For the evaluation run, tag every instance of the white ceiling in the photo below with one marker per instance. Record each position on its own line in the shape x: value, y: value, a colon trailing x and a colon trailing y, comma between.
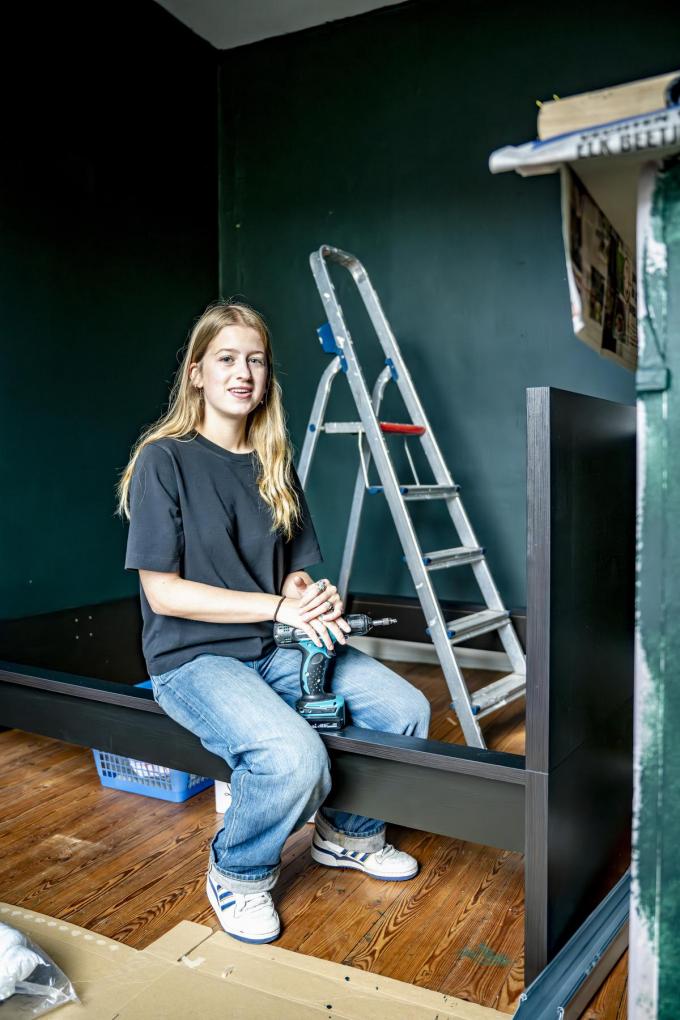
x: 229, y: 23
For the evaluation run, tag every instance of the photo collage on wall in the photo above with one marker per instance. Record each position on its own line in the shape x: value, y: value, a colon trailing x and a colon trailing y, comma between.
x: 601, y: 274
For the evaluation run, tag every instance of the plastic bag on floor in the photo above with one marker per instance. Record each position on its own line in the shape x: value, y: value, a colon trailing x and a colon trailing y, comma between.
x: 31, y: 984
x: 146, y: 771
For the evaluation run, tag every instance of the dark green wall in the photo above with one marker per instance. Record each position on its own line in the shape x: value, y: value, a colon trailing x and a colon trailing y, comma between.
x: 373, y: 134
x: 108, y: 206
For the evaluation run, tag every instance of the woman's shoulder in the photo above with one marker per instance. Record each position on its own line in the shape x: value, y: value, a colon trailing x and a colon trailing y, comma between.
x: 159, y: 449
x: 161, y: 456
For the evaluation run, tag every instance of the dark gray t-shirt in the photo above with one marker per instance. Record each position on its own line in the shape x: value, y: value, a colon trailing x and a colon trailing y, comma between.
x: 195, y: 509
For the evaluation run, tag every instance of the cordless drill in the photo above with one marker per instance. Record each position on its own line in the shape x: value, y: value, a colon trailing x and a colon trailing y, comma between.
x: 318, y: 705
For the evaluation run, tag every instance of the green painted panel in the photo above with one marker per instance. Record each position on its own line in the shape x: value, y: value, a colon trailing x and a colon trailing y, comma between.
x: 373, y: 134
x: 655, y: 916
x: 109, y: 219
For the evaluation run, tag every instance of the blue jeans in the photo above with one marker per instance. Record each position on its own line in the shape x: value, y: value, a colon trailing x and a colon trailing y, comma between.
x: 245, y: 713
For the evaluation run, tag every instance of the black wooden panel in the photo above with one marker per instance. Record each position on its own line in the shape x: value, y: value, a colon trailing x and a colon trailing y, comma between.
x: 592, y: 585
x: 475, y: 808
x: 102, y: 640
x: 536, y: 876
x: 538, y: 579
x: 580, y: 613
x: 471, y: 794
x: 143, y: 732
x: 589, y: 825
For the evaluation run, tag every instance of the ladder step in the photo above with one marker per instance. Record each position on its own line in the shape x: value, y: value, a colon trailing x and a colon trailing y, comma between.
x: 354, y: 427
x: 405, y: 430
x: 452, y: 557
x: 477, y: 623
x: 429, y: 491
x: 420, y: 491
x: 342, y: 427
x: 500, y: 692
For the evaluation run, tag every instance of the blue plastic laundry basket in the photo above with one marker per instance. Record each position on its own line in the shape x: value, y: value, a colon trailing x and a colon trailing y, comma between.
x: 120, y: 773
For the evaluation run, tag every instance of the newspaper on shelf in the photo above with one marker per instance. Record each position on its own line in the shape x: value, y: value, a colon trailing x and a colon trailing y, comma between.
x: 600, y: 265
x: 650, y: 136
x: 601, y: 276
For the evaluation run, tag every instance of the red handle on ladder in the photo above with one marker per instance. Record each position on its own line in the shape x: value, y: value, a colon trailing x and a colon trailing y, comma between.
x: 407, y: 430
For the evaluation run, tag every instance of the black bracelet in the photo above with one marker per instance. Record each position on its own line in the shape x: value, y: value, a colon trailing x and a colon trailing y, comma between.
x: 282, y: 599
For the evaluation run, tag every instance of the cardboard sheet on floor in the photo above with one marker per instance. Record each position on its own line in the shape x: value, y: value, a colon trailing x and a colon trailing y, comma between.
x: 194, y: 970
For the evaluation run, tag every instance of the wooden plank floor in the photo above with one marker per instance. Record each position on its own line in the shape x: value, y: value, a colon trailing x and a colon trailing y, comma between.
x: 131, y: 867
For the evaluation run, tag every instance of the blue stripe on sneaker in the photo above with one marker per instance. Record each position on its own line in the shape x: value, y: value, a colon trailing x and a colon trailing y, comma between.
x: 364, y: 856
x: 219, y: 896
x: 325, y: 850
x: 384, y: 878
x: 219, y: 890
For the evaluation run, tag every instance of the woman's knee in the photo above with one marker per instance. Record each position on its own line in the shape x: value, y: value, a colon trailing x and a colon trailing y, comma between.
x: 300, y: 757
x: 420, y: 712
x: 379, y: 698
x: 410, y: 716
x: 312, y: 759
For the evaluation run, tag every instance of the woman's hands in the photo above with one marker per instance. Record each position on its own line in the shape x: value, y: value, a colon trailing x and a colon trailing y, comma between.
x: 316, y: 610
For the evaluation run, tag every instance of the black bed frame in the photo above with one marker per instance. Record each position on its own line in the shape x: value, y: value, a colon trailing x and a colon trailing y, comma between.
x: 566, y: 805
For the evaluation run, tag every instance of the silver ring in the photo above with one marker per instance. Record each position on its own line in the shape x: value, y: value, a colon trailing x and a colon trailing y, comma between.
x: 330, y: 606
x: 321, y: 585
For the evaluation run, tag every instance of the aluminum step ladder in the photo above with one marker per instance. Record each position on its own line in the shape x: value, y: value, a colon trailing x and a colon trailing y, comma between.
x: 445, y: 634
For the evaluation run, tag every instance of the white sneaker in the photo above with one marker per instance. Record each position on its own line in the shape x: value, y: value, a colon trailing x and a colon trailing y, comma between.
x: 249, y: 917
x: 388, y: 863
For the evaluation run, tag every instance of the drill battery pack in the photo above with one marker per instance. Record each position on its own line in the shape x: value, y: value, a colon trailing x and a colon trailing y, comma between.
x: 325, y: 713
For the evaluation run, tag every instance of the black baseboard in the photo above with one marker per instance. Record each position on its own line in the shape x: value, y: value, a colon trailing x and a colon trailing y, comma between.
x: 104, y: 640
x: 411, y: 623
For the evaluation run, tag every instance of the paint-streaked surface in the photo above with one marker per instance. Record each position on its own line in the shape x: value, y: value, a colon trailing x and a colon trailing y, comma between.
x: 655, y: 910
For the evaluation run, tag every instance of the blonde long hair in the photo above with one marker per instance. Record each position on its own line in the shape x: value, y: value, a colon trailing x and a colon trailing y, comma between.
x: 265, y: 429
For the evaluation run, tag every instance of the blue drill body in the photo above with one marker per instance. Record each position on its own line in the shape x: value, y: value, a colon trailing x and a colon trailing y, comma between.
x: 318, y: 705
